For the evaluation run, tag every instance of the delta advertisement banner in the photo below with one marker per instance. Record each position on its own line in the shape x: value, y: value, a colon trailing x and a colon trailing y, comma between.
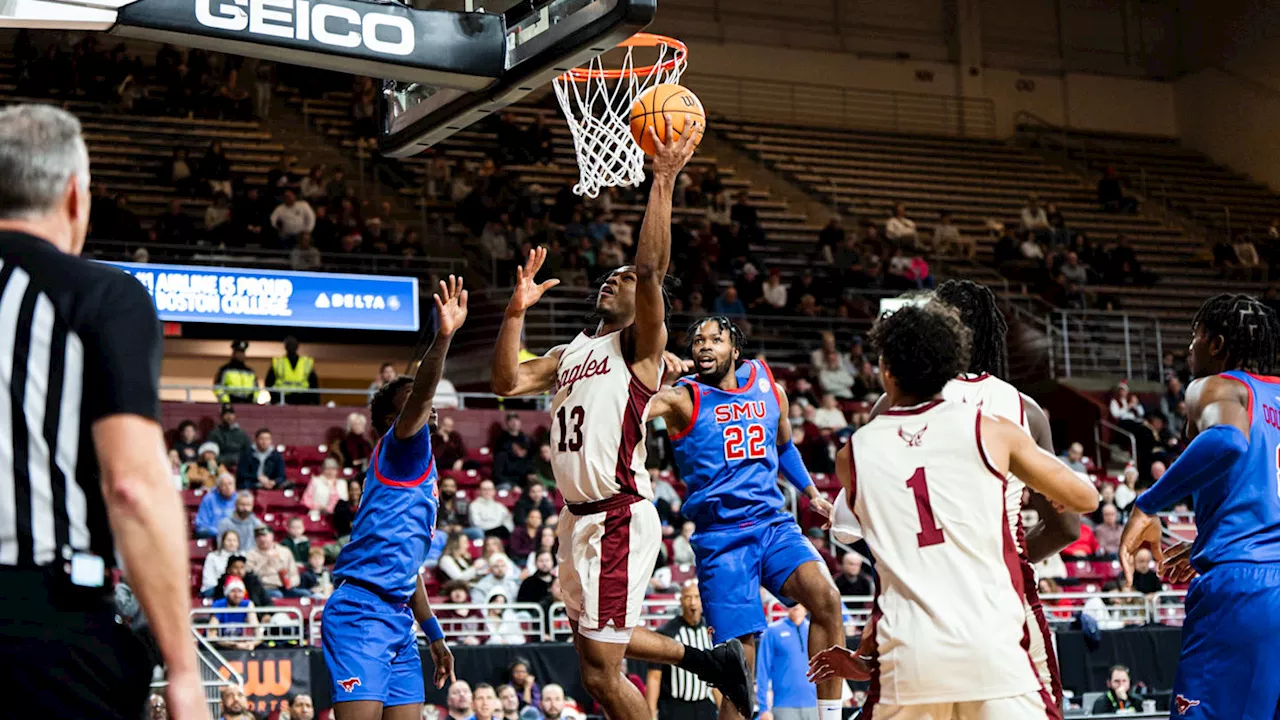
x: 241, y: 296
x: 270, y: 675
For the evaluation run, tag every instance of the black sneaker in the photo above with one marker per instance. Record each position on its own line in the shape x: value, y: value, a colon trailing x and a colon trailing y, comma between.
x: 732, y: 678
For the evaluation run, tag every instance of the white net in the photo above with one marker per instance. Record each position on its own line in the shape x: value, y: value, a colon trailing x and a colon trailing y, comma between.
x: 597, y: 103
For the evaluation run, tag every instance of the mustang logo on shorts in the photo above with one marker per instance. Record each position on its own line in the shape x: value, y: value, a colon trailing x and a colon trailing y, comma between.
x: 1184, y: 704
x: 350, y: 683
x: 912, y: 439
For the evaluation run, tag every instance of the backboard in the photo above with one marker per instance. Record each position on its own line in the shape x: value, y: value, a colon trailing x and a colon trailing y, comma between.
x: 442, y: 69
x: 541, y: 39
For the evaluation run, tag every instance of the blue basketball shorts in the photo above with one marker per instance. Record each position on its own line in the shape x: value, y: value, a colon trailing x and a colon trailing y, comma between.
x: 370, y: 649
x: 734, y: 562
x: 1230, y: 663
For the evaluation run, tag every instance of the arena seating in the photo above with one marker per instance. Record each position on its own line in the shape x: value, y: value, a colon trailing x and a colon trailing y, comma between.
x: 978, y: 181
x: 1189, y: 181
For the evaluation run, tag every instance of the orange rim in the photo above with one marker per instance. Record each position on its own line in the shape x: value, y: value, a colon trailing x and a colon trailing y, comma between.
x: 638, y: 40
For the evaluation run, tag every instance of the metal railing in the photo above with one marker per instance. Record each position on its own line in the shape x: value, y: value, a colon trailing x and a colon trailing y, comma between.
x: 832, y: 106
x: 1110, y: 610
x: 209, y: 393
x: 1098, y: 443
x: 210, y: 255
x: 249, y: 626
x: 519, y: 623
x: 1102, y: 343
x: 215, y: 673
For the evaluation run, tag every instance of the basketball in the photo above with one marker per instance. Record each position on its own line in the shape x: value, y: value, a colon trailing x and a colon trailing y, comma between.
x: 674, y: 100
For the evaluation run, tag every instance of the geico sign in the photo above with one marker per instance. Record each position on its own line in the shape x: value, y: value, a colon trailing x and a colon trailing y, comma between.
x: 334, y: 25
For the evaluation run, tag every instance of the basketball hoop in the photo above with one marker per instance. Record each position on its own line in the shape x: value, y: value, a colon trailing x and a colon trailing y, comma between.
x: 597, y: 103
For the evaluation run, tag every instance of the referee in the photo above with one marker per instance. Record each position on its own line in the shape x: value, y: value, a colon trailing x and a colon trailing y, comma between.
x: 674, y: 693
x: 84, y: 481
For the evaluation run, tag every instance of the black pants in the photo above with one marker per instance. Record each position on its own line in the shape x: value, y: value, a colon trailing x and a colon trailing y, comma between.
x: 672, y: 709
x: 63, y: 649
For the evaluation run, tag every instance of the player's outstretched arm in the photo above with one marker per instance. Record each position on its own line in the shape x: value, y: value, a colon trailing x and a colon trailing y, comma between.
x: 1218, y: 421
x: 1056, y: 529
x: 791, y: 465
x: 441, y: 656
x: 451, y: 304
x: 653, y: 253
x: 1040, y: 470
x: 509, y: 376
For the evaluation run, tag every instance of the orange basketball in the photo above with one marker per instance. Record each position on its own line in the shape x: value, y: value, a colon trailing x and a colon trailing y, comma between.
x: 649, y: 109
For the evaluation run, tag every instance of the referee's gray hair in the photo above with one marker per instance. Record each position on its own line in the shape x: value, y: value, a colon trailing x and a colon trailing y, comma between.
x: 41, y: 149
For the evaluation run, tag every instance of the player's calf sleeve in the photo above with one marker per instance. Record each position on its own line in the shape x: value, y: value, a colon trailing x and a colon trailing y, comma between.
x: 828, y: 709
x: 791, y: 465
x: 1210, y: 454
x: 698, y: 662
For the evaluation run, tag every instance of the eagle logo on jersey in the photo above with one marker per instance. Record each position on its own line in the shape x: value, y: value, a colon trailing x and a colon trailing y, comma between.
x: 1184, y: 704
x: 349, y: 684
x: 912, y: 439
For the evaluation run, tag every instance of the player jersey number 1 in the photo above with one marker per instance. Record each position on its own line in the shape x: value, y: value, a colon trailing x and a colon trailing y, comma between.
x: 741, y: 443
x: 570, y: 430
x: 930, y: 533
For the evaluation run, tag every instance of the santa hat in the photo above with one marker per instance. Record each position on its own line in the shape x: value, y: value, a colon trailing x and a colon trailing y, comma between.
x: 233, y: 583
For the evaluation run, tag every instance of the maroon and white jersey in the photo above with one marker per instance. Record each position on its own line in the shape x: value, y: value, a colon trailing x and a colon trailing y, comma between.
x: 995, y: 397
x: 598, y: 422
x: 950, y: 619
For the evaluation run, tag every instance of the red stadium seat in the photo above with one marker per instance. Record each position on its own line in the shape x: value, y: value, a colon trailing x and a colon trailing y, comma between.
x: 682, y: 573
x: 191, y: 498
x: 270, y: 500
x: 198, y: 549
x: 481, y: 456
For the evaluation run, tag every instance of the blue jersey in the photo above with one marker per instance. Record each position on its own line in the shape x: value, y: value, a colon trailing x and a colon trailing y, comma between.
x: 728, y: 455
x: 1238, y: 517
x: 393, y: 528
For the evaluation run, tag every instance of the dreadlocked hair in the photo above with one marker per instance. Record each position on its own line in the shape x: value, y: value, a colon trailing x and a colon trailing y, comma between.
x: 736, y: 338
x: 383, y: 403
x: 669, y: 284
x: 1249, y: 329
x: 924, y: 346
x: 980, y: 313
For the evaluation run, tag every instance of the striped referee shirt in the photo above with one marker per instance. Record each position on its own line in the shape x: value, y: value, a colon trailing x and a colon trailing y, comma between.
x: 79, y: 341
x: 678, y: 683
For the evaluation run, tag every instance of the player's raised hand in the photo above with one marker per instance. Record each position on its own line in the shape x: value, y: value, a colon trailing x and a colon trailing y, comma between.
x: 442, y: 659
x: 1176, y: 567
x: 451, y: 305
x: 528, y: 291
x: 838, y: 662
x: 1141, y: 529
x: 674, y: 367
x: 672, y: 154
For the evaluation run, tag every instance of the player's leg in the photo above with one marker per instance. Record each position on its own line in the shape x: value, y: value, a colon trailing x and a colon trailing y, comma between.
x: 360, y: 632
x: 1229, y: 667
x: 729, y: 709
x: 793, y: 570
x: 598, y: 662
x: 725, y: 666
x: 405, y: 691
x: 729, y: 572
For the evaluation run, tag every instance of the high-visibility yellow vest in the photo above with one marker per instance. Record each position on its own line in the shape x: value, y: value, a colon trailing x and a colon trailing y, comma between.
x: 293, y: 377
x: 237, y: 379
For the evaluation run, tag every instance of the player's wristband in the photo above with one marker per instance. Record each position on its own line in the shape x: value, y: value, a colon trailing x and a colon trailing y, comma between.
x: 792, y: 466
x: 432, y: 628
